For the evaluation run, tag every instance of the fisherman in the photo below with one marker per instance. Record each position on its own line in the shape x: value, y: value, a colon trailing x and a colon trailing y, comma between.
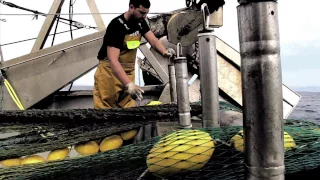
x: 114, y: 84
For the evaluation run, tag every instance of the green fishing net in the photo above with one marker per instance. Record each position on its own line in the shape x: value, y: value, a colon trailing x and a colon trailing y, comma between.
x: 203, y: 153
x: 189, y: 154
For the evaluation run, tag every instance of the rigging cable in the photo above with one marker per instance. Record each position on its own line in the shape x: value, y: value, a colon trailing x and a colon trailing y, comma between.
x: 37, y: 13
x: 35, y: 38
x: 76, y: 24
x: 70, y: 18
x: 55, y: 31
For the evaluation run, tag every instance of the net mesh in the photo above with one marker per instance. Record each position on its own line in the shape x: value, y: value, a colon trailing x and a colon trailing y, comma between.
x: 204, y: 153
x: 195, y: 154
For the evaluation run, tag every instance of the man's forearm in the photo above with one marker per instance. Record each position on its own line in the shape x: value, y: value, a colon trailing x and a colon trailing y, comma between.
x: 159, y: 46
x: 119, y: 72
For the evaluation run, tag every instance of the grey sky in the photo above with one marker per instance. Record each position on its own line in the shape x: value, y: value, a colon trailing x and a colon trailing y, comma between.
x: 299, y: 32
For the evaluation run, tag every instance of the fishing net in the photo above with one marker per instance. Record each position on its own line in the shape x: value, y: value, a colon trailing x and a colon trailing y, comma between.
x: 203, y: 153
x: 196, y: 154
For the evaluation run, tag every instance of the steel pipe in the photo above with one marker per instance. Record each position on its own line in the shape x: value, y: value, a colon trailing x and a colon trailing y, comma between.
x: 208, y: 73
x: 261, y: 89
x: 172, y: 82
x: 181, y: 73
x: 1, y: 55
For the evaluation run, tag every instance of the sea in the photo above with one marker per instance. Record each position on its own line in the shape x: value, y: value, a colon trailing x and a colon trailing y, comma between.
x: 308, y: 107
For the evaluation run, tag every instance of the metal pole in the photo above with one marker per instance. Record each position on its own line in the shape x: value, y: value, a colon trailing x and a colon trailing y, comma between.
x: 181, y: 71
x: 261, y: 89
x: 208, y: 73
x: 172, y: 82
x: 1, y: 55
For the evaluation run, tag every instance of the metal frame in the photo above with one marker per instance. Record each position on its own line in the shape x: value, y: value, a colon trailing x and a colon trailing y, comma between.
x: 96, y: 16
x: 154, y: 63
x: 47, y: 25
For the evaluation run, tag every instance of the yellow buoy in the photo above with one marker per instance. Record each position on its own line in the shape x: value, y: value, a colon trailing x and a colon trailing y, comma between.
x: 180, y: 151
x: 129, y: 134
x: 32, y: 159
x: 110, y: 143
x: 153, y: 103
x: 58, y: 154
x: 11, y: 162
x: 317, y: 130
x: 237, y: 141
x: 289, y: 142
x: 88, y: 148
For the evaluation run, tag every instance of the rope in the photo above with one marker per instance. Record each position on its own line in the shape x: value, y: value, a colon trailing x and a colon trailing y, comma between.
x: 1, y: 90
x: 12, y: 93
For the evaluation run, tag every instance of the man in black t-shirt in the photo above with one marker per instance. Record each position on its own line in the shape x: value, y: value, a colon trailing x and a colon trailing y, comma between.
x: 114, y: 78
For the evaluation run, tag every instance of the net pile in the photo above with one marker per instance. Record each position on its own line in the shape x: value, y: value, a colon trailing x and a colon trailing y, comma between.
x: 201, y: 154
x: 213, y: 153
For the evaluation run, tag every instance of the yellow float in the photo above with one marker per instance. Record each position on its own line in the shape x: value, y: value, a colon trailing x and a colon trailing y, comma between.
x: 154, y: 103
x: 129, y: 134
x: 11, y: 162
x: 110, y: 143
x: 88, y: 148
x: 58, y: 154
x: 32, y: 159
x: 180, y: 151
x: 237, y: 141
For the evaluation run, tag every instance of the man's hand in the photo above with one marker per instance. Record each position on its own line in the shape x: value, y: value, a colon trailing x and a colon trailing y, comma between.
x: 169, y: 53
x: 135, y: 91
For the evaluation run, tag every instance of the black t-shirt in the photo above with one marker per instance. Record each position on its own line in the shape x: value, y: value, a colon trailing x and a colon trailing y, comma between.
x: 116, y: 31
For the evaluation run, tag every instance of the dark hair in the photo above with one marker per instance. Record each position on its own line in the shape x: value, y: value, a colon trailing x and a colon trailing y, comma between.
x: 137, y: 3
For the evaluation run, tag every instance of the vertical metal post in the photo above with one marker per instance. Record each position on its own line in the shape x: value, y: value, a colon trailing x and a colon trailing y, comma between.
x: 172, y: 82
x: 1, y: 56
x: 261, y: 89
x: 208, y: 73
x: 181, y: 72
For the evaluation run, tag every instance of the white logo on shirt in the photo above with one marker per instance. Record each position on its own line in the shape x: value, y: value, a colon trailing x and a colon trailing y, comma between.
x: 134, y: 34
x: 125, y: 25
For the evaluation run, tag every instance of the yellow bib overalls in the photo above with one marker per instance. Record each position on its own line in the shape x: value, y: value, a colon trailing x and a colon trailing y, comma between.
x: 108, y: 91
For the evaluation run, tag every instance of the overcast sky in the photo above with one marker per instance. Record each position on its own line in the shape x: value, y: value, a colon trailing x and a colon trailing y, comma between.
x: 299, y: 32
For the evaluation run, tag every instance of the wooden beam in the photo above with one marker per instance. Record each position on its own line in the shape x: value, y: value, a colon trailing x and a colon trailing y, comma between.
x: 95, y: 13
x: 47, y: 25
